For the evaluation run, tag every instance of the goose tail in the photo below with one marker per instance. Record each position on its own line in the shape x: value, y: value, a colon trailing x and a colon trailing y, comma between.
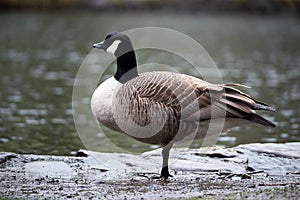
x: 260, y: 120
x: 245, y: 106
x: 263, y: 106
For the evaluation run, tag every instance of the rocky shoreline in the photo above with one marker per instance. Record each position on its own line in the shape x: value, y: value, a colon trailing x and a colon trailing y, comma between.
x: 251, y: 171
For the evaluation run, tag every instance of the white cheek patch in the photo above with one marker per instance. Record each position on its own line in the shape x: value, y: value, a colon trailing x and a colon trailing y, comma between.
x: 113, y: 47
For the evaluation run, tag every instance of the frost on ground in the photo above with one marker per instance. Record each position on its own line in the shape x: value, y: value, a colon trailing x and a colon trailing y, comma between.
x: 246, y: 171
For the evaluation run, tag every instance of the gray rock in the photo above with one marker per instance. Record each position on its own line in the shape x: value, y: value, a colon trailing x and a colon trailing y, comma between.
x: 197, y: 173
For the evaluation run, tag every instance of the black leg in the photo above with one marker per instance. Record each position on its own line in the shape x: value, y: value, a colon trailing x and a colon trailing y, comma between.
x: 165, y: 173
x: 165, y: 169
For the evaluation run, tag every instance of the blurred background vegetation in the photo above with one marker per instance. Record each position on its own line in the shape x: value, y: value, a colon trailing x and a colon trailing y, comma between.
x: 252, y: 6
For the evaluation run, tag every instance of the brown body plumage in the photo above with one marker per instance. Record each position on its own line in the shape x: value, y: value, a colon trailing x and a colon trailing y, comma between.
x: 180, y: 105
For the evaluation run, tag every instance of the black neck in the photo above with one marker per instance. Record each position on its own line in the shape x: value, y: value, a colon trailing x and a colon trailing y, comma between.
x: 127, y: 67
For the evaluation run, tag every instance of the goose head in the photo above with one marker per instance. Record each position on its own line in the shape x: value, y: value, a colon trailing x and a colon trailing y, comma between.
x: 119, y: 45
x: 115, y: 43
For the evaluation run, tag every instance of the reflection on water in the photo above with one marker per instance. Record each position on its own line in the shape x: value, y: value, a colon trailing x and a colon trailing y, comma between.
x: 41, y: 53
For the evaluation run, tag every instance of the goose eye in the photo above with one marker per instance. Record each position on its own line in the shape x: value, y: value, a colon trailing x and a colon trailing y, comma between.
x: 111, y: 34
x: 108, y: 36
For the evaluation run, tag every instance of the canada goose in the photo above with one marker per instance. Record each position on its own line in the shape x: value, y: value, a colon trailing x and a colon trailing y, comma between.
x: 165, y: 107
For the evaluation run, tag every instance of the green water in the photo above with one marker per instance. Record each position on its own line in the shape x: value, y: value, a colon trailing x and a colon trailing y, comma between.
x: 40, y: 54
